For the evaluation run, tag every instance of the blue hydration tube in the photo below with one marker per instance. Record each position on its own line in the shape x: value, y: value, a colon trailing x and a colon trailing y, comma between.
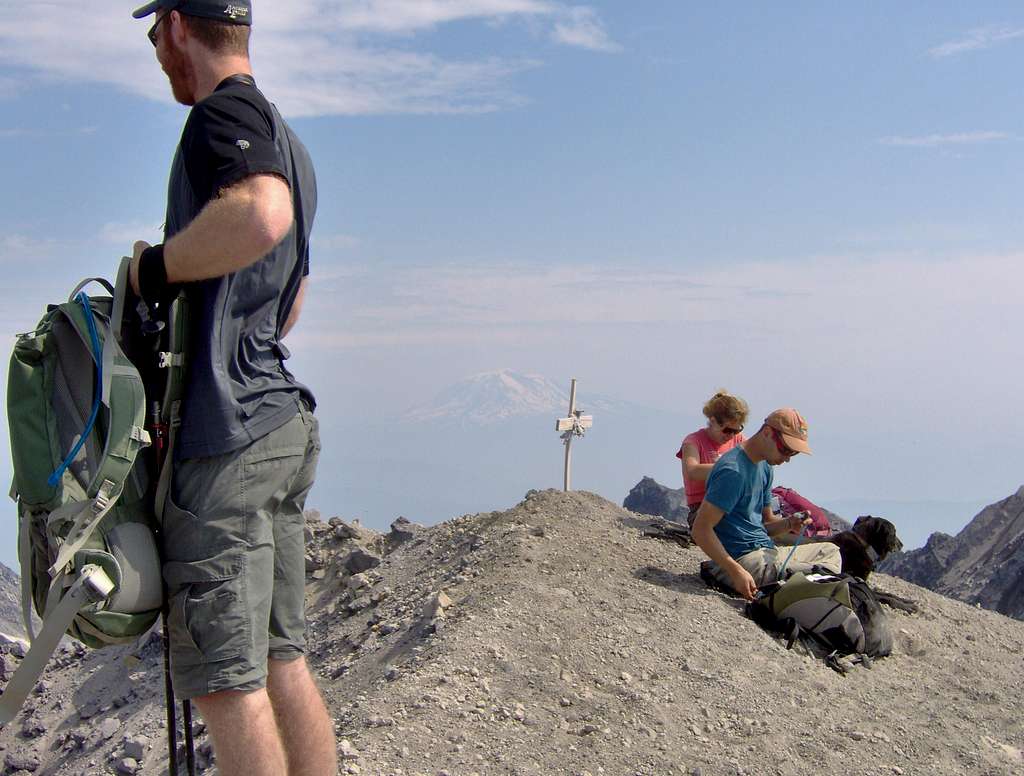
x: 786, y: 561
x: 97, y: 354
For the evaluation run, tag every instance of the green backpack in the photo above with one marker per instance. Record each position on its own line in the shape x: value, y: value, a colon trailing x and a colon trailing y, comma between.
x: 77, y: 410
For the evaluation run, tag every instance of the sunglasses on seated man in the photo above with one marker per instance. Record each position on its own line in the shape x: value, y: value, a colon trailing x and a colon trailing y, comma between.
x: 781, y: 446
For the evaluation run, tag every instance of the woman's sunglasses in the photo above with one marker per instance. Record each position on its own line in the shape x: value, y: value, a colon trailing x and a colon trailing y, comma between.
x: 729, y: 430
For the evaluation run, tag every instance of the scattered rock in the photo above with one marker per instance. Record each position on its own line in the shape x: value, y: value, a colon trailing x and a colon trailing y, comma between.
x: 32, y: 728
x: 109, y: 727
x: 357, y: 582
x: 314, y: 561
x: 135, y: 747
x: 28, y: 761
x: 360, y: 560
x: 435, y: 606
x: 402, y: 530
x: 359, y: 603
x: 346, y: 751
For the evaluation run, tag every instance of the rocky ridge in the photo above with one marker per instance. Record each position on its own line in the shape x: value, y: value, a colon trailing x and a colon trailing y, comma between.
x: 983, y: 564
x: 553, y: 639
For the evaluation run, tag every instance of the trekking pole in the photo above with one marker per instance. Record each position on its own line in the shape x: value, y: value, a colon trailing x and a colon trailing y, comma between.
x: 159, y: 448
x: 190, y: 748
x: 172, y: 722
x: 157, y: 433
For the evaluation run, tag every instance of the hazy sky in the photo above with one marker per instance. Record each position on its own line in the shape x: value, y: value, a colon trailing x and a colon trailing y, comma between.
x: 810, y: 204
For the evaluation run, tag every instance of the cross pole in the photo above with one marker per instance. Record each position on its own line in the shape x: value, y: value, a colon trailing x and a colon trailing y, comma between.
x: 575, y: 425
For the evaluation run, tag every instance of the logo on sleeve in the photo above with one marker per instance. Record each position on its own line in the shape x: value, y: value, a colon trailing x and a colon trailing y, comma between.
x: 243, y: 144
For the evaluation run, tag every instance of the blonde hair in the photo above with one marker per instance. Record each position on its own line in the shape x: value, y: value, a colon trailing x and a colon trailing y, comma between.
x: 724, y: 406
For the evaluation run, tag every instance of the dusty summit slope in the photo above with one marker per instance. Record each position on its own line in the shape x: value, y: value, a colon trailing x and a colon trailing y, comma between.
x: 564, y: 643
x: 574, y: 645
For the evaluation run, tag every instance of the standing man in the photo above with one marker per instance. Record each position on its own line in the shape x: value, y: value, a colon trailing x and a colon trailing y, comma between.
x: 240, y: 206
x: 735, y: 523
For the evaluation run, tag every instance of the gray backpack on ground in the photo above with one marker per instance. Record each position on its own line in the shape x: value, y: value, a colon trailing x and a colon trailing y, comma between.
x: 833, y: 614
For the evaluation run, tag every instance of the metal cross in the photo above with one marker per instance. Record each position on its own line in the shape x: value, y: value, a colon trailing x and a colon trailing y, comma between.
x: 575, y: 425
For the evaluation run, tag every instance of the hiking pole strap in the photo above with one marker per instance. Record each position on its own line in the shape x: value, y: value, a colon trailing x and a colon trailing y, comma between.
x: 166, y: 469
x: 25, y: 558
x: 91, y: 586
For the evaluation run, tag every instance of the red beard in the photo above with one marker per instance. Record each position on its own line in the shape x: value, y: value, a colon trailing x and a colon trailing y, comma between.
x: 179, y: 73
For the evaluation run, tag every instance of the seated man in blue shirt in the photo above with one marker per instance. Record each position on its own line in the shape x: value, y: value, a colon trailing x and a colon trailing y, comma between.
x: 735, y: 523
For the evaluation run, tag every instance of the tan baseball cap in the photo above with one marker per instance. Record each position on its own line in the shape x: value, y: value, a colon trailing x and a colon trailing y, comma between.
x: 793, y: 428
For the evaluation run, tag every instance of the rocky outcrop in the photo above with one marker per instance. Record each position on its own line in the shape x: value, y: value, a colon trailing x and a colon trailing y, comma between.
x: 649, y: 497
x: 983, y: 564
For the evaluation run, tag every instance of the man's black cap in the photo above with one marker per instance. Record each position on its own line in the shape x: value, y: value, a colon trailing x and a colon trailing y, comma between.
x: 229, y: 11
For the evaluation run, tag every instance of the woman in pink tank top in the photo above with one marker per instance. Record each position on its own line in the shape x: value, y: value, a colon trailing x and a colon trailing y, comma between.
x: 726, y: 414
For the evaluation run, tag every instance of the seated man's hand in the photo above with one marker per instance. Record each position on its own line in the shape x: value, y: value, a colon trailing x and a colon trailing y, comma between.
x: 742, y: 582
x: 797, y: 521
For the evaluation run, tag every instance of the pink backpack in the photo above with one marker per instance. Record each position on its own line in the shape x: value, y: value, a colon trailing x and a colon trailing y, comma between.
x: 790, y: 501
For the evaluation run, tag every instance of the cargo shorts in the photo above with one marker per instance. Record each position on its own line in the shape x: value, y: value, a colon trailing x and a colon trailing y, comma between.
x: 764, y: 564
x: 233, y: 548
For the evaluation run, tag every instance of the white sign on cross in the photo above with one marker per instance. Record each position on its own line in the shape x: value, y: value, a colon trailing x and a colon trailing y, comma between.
x: 573, y: 426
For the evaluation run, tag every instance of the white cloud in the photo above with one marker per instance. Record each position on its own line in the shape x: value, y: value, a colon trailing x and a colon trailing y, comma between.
x: 582, y: 27
x: 406, y: 16
x: 977, y: 40
x: 830, y: 304
x: 937, y: 140
x: 315, y: 58
x: 315, y: 78
x: 15, y: 248
x: 13, y: 132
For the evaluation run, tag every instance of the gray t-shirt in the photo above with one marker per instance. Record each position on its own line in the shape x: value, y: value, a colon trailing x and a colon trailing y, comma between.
x: 237, y: 387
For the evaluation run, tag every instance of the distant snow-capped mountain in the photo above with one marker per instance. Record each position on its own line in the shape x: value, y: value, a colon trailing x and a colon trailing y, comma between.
x: 493, y: 397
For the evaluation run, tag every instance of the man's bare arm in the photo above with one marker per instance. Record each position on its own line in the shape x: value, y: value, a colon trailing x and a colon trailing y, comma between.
x: 236, y: 229
x: 693, y: 469
x: 708, y: 516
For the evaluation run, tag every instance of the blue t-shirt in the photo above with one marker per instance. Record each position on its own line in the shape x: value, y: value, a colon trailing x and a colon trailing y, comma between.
x: 741, y: 489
